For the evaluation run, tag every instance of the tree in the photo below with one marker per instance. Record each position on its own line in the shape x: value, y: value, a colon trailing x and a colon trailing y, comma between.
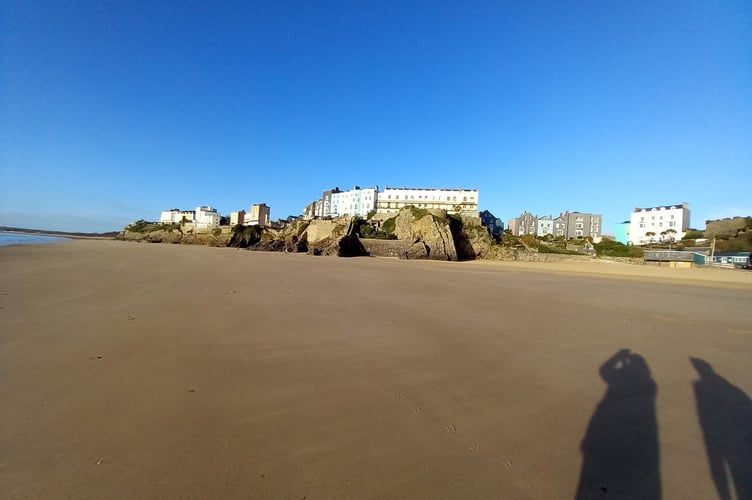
x: 650, y: 235
x: 671, y: 233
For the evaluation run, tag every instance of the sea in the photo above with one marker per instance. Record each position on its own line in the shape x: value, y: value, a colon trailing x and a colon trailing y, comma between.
x: 28, y: 239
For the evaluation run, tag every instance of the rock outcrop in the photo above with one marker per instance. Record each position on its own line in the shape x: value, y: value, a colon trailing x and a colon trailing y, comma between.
x: 430, y: 229
x: 419, y: 233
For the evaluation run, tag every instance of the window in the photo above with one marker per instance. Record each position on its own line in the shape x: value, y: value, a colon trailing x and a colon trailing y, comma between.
x: 464, y: 198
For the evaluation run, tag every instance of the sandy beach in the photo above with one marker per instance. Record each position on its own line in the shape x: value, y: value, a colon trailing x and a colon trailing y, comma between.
x: 165, y: 371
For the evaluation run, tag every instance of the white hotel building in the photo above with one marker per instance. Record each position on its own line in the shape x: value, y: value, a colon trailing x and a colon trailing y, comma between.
x: 658, y: 220
x: 462, y: 201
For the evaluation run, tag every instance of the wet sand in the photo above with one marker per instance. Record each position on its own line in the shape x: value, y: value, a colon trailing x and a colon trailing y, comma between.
x: 159, y: 371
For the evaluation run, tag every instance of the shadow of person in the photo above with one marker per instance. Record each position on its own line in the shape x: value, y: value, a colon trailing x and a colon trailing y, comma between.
x: 620, y: 449
x: 725, y: 414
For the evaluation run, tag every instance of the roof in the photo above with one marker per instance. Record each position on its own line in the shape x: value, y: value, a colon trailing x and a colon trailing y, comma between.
x: 669, y: 255
x: 665, y: 207
x: 732, y: 254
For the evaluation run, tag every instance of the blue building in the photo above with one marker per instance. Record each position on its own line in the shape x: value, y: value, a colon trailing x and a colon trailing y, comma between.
x: 493, y: 223
x: 725, y: 259
x: 621, y: 231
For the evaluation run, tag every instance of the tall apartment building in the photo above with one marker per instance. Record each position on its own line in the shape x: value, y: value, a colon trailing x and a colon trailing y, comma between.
x: 462, y: 201
x: 237, y: 218
x: 656, y: 220
x: 258, y: 216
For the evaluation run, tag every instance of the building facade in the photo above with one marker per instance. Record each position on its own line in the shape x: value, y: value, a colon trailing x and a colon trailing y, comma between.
x: 568, y: 225
x: 621, y: 232
x: 526, y: 223
x: 355, y: 202
x: 545, y: 226
x: 491, y: 222
x: 176, y: 216
x: 206, y: 217
x: 237, y: 218
x: 259, y: 215
x: 460, y: 201
x: 662, y: 223
x: 581, y: 225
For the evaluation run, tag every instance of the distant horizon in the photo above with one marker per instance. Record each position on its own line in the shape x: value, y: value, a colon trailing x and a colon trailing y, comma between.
x: 114, y: 112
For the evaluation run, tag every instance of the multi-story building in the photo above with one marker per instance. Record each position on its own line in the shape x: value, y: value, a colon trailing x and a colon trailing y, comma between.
x: 491, y: 222
x: 560, y: 226
x: 567, y: 225
x: 582, y: 225
x: 309, y: 212
x: 176, y: 216
x: 258, y: 216
x: 658, y: 223
x: 545, y: 226
x: 237, y: 218
x: 324, y: 204
x: 621, y: 231
x: 526, y: 223
x: 206, y: 217
x: 461, y: 201
x: 355, y: 202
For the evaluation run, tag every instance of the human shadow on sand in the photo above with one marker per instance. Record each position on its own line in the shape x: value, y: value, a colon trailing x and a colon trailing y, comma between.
x: 725, y: 414
x: 620, y: 449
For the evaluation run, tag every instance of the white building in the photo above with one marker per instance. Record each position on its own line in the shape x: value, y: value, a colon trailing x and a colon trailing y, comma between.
x: 462, y: 201
x: 258, y: 216
x: 668, y: 222
x: 206, y: 217
x: 355, y: 202
x: 176, y: 216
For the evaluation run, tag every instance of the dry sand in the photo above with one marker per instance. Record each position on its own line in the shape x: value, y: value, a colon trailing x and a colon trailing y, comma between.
x: 156, y: 371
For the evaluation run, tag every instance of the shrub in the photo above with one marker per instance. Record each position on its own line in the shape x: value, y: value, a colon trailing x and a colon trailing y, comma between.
x: 389, y: 225
x: 611, y: 248
x: 559, y: 250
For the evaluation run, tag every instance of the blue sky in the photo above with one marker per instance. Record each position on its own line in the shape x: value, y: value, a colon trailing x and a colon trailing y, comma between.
x: 113, y: 111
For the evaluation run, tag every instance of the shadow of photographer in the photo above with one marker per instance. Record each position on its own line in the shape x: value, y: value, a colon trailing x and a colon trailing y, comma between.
x: 620, y: 448
x: 725, y: 414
